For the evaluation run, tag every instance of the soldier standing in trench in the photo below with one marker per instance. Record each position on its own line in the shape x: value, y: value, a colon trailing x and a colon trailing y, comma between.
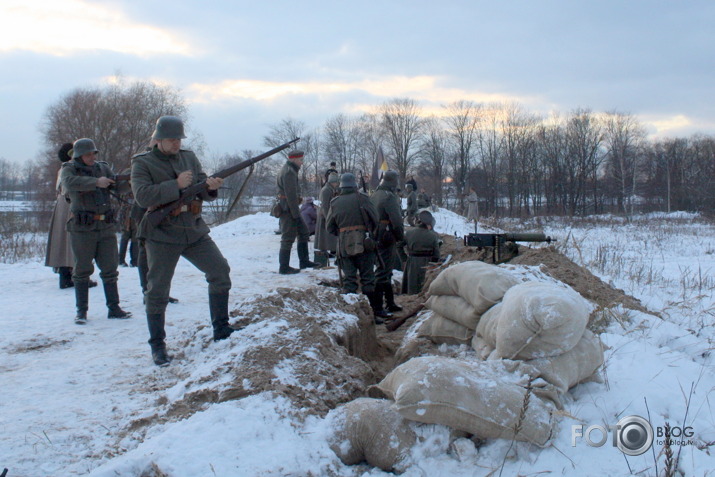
x: 353, y: 218
x: 390, y: 231
x: 158, y: 177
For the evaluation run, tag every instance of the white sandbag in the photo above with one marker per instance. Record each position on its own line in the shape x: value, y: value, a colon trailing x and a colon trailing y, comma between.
x: 538, y: 320
x: 574, y: 366
x: 480, y: 284
x: 370, y: 430
x: 441, y: 330
x: 486, y: 333
x: 454, y: 308
x: 483, y: 398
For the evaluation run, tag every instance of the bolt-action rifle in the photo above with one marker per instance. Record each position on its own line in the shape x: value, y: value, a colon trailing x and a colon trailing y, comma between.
x: 187, y: 195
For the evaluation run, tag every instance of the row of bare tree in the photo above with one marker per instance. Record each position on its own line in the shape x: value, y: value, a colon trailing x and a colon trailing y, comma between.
x: 519, y: 163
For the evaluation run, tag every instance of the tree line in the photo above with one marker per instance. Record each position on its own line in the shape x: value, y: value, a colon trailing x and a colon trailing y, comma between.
x: 519, y: 163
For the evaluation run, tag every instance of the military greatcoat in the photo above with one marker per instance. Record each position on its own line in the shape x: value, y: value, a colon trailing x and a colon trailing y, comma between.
x: 422, y: 246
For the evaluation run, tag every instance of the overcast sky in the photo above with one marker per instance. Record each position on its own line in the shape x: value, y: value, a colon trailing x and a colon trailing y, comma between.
x: 245, y: 65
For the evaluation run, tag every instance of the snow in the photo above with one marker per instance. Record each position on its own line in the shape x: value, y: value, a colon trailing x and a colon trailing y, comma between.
x: 73, y: 398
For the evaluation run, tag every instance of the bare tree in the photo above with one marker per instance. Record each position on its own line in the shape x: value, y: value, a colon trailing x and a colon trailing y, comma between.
x: 462, y: 123
x: 402, y: 124
x: 624, y: 139
x: 434, y: 149
x: 120, y: 118
x: 286, y: 130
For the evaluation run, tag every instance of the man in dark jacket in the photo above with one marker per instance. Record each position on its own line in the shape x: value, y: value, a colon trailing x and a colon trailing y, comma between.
x: 158, y: 177
x: 353, y: 218
x: 91, y: 226
x: 390, y: 231
x: 422, y: 246
x: 291, y: 223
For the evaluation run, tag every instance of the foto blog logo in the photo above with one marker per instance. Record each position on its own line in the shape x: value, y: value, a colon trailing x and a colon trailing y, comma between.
x: 633, y: 435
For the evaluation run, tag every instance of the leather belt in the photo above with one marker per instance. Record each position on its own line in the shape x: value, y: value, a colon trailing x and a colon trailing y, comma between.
x: 384, y: 221
x: 352, y: 227
x: 420, y: 254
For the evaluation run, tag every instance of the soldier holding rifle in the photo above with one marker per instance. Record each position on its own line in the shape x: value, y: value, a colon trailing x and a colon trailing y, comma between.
x: 91, y: 226
x: 158, y: 178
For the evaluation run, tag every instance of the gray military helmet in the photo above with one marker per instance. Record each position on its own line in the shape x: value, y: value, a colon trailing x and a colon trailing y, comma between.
x: 425, y: 217
x: 333, y: 178
x: 347, y: 180
x: 409, y: 187
x: 389, y: 178
x: 82, y: 147
x: 169, y: 127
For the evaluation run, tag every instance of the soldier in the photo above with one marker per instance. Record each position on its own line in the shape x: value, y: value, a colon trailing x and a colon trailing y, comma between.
x: 91, y: 226
x: 353, y: 218
x: 422, y: 246
x: 158, y: 176
x: 129, y: 233
x: 390, y: 231
x: 291, y: 222
x: 411, y: 204
x: 325, y: 241
x: 473, y: 207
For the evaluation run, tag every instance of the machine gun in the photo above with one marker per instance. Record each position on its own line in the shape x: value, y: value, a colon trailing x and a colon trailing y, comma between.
x: 155, y: 216
x: 503, y: 242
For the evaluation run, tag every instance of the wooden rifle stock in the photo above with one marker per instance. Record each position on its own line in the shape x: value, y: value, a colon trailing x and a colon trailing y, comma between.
x: 187, y: 195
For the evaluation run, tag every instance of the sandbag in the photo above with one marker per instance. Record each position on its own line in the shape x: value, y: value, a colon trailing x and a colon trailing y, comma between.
x: 538, y: 320
x: 370, y: 430
x: 454, y: 308
x: 480, y: 284
x: 483, y: 398
x: 485, y: 337
x: 441, y: 330
x: 574, y: 366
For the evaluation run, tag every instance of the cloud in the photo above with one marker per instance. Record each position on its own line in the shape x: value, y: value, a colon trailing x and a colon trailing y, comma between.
x: 420, y: 88
x: 65, y: 27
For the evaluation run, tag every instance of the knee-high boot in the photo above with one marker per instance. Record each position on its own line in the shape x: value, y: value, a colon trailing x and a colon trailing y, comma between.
x: 218, y: 306
x: 284, y: 261
x: 390, y: 297
x: 65, y: 274
x: 81, y: 293
x: 305, y: 261
x: 111, y: 293
x: 155, y: 321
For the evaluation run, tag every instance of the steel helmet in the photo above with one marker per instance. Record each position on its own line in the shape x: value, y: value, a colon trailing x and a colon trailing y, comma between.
x: 389, y: 178
x: 347, y: 180
x: 169, y: 127
x: 82, y: 147
x: 425, y: 217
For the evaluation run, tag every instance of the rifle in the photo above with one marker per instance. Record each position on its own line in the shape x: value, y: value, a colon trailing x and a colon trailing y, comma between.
x: 362, y: 183
x: 187, y: 195
x: 499, y: 241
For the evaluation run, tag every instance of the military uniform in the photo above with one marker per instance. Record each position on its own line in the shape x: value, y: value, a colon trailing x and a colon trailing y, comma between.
x: 291, y: 223
x: 91, y: 227
x: 182, y: 235
x: 422, y: 246
x: 411, y: 205
x: 352, y: 216
x: 390, y: 231
x: 323, y: 240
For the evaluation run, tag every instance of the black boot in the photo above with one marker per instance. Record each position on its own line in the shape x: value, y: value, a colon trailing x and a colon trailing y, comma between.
x: 65, y: 277
x: 283, y: 262
x: 218, y: 306
x: 380, y: 314
x: 389, y: 297
x: 304, y: 257
x: 81, y: 293
x: 112, y: 295
x: 155, y: 321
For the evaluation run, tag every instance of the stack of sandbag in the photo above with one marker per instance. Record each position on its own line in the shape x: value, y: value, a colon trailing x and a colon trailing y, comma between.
x: 458, y: 298
x: 489, y: 399
x: 543, y: 324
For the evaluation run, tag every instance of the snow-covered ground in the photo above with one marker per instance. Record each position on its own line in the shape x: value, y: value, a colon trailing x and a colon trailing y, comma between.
x: 71, y: 395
